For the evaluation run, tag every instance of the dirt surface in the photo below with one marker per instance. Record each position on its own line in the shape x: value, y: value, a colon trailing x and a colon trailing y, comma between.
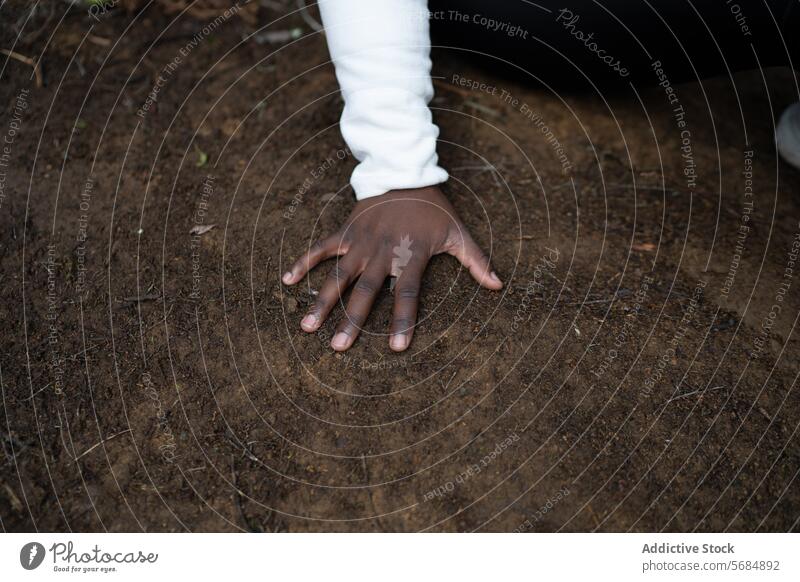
x: 632, y: 375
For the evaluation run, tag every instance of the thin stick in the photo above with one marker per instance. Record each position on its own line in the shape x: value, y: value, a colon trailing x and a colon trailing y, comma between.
x: 453, y: 88
x: 37, y: 69
x: 98, y: 40
x: 679, y: 396
x: 40, y: 390
x: 143, y: 298
x: 310, y: 20
x: 94, y: 446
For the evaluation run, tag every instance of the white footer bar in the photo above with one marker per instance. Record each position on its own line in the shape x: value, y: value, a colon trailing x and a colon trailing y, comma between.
x: 401, y: 557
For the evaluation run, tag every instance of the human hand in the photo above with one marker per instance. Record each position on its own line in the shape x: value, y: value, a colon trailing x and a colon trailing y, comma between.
x: 394, y: 234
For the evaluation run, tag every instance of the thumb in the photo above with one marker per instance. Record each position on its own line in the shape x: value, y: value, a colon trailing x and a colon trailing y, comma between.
x: 475, y: 260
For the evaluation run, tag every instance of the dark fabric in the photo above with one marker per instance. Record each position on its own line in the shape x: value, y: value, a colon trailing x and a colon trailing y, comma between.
x: 617, y: 41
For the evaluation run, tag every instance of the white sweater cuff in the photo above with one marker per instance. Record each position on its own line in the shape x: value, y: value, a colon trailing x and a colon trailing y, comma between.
x: 381, y: 51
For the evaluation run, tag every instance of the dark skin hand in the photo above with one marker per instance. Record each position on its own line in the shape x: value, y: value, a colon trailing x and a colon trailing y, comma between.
x: 394, y: 234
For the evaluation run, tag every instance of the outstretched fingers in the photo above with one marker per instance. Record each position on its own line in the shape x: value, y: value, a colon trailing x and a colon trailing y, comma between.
x: 475, y: 260
x: 321, y: 250
x: 363, y: 296
x: 343, y: 273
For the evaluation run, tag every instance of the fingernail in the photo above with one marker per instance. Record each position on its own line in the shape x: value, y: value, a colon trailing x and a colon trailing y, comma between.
x: 493, y: 276
x: 309, y: 321
x: 340, y: 341
x: 399, y: 342
x: 287, y: 277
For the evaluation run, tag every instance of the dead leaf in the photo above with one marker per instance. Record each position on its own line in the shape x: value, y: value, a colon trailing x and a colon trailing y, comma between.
x: 199, y: 229
x: 647, y: 247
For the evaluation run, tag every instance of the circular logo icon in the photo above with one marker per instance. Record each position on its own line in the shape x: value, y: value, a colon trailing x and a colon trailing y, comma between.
x: 31, y: 555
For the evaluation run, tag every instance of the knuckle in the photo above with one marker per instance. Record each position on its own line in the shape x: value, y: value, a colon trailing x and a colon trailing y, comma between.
x: 407, y: 292
x: 365, y: 286
x: 402, y: 322
x: 340, y: 273
x: 351, y: 323
x: 346, y: 326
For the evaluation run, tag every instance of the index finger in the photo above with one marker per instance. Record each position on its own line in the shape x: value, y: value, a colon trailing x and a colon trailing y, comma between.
x: 321, y: 250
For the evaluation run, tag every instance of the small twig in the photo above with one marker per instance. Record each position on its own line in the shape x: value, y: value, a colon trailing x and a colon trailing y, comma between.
x: 693, y: 392
x: 594, y: 301
x: 94, y: 446
x: 151, y: 297
x: 484, y: 168
x: 594, y: 516
x: 496, y: 179
x: 39, y: 391
x: 453, y: 88
x: 446, y: 386
x: 37, y: 69
x: 98, y: 40
x: 74, y: 357
x: 480, y: 107
x: 15, y: 502
x: 309, y: 20
x: 238, y: 498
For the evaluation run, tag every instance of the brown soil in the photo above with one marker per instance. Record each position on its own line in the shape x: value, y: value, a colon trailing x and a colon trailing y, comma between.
x: 617, y: 383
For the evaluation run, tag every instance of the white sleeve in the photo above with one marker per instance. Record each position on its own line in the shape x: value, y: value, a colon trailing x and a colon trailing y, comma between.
x: 381, y: 51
